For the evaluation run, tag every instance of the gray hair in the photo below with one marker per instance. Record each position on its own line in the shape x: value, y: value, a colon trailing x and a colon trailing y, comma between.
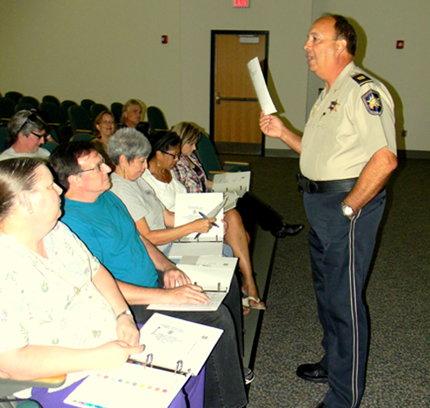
x: 25, y: 121
x: 130, y: 143
x: 16, y: 175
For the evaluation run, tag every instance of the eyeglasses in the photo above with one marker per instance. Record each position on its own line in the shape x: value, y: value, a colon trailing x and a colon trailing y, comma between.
x: 31, y: 118
x: 39, y: 136
x: 176, y: 156
x: 98, y: 167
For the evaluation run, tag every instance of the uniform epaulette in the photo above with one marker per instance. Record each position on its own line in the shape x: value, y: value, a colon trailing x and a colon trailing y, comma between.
x: 361, y: 79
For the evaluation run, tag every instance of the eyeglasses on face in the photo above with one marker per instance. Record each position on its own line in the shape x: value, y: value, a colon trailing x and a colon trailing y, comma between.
x: 175, y: 156
x: 98, y: 167
x: 39, y: 136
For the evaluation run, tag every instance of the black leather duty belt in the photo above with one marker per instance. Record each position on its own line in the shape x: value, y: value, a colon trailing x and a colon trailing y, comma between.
x: 333, y: 186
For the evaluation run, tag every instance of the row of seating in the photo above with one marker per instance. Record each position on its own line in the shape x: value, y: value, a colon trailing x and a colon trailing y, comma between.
x: 67, y: 118
x: 71, y: 121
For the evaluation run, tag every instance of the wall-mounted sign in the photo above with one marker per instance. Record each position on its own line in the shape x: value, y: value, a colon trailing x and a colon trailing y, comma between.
x: 241, y: 3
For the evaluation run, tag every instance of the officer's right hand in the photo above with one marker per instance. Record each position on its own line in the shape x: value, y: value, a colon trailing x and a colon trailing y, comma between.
x: 271, y: 125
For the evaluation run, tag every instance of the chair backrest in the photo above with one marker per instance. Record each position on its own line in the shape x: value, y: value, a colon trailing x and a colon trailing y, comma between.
x: 96, y: 108
x: 65, y: 105
x: 80, y: 120
x: 3, y: 137
x: 15, y: 96
x: 156, y: 119
x: 116, y: 109
x: 52, y: 114
x: 51, y: 99
x: 81, y: 136
x: 207, y: 154
x: 7, y: 110
x: 31, y: 100
x: 87, y: 103
x: 23, y: 106
x: 50, y: 146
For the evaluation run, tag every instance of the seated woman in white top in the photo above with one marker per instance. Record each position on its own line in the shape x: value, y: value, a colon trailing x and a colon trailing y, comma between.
x: 166, y: 150
x: 62, y: 311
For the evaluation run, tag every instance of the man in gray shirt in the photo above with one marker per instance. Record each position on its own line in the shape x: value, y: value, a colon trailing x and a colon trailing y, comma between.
x: 27, y: 132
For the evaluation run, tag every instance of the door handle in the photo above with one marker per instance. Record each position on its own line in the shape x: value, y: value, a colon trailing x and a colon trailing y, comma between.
x: 219, y: 98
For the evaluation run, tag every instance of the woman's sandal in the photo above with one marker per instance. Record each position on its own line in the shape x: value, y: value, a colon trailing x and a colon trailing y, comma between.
x: 247, y: 304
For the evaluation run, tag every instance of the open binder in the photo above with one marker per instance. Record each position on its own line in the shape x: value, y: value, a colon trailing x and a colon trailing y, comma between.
x: 193, y: 206
x: 174, y: 350
x: 214, y: 274
x: 232, y: 182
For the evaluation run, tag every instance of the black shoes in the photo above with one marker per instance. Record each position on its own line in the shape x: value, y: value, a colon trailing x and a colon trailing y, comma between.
x: 315, y: 373
x: 322, y: 405
x: 287, y: 230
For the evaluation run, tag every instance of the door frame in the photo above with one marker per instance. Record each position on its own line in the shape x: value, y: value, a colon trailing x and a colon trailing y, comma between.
x: 212, y: 73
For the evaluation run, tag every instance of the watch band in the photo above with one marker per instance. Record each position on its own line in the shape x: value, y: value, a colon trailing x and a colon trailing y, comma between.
x: 347, y: 210
x: 125, y: 312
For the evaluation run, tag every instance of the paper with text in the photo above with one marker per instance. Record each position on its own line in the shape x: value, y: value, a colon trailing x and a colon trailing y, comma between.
x: 237, y: 183
x: 260, y: 86
x: 191, y: 206
x: 168, y: 340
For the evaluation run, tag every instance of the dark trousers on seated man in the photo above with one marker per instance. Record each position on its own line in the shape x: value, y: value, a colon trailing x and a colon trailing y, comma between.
x: 222, y: 387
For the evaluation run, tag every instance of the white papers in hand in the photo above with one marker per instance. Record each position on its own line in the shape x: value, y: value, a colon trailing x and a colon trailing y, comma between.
x: 260, y: 86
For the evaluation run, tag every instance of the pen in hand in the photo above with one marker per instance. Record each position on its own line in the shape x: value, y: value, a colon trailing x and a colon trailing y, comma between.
x: 206, y: 217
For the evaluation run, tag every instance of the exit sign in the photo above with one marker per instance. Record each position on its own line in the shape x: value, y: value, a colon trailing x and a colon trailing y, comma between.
x: 241, y: 3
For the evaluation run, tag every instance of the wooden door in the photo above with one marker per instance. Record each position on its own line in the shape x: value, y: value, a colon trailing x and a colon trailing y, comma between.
x: 234, y: 106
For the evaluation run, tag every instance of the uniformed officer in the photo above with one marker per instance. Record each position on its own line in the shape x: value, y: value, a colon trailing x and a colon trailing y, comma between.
x: 347, y: 153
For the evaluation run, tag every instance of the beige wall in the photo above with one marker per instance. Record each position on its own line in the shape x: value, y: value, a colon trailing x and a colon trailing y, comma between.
x: 111, y: 51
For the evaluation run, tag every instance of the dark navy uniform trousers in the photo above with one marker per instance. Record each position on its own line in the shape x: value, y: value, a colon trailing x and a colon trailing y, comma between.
x: 341, y: 251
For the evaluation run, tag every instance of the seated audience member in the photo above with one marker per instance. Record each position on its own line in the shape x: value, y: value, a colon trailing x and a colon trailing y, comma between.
x: 190, y: 173
x: 61, y: 309
x: 132, y: 116
x: 102, y: 221
x: 27, y: 132
x: 129, y: 150
x: 165, y: 153
x: 104, y: 126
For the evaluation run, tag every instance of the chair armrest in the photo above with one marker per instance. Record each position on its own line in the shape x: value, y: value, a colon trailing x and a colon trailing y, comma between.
x: 51, y: 382
x: 8, y: 386
x: 237, y: 163
x: 234, y: 167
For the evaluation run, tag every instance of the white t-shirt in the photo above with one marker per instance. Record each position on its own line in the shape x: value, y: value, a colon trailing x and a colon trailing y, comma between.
x: 11, y: 154
x: 165, y: 192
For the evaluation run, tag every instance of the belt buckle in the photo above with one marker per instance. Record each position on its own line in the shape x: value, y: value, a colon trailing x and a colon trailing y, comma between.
x: 312, y: 187
x: 305, y: 185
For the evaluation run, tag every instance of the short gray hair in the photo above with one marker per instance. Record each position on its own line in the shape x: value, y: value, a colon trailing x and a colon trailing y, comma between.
x: 130, y: 143
x: 25, y: 121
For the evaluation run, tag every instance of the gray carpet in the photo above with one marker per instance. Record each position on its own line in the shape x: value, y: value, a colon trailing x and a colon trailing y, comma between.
x: 398, y: 372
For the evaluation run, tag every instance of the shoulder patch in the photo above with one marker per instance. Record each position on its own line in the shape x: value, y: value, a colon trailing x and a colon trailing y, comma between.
x: 361, y: 79
x: 372, y: 102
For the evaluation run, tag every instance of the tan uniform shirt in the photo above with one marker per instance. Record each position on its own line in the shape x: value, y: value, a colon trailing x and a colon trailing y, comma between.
x: 347, y: 125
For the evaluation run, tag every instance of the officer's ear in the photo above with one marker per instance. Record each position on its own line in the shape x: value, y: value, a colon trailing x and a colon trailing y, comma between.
x: 341, y: 45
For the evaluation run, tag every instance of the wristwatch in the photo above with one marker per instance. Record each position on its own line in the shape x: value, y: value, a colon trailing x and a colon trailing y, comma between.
x: 347, y: 210
x: 126, y: 312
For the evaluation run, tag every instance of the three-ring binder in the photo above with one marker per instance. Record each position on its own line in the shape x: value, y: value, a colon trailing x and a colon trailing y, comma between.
x: 149, y: 363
